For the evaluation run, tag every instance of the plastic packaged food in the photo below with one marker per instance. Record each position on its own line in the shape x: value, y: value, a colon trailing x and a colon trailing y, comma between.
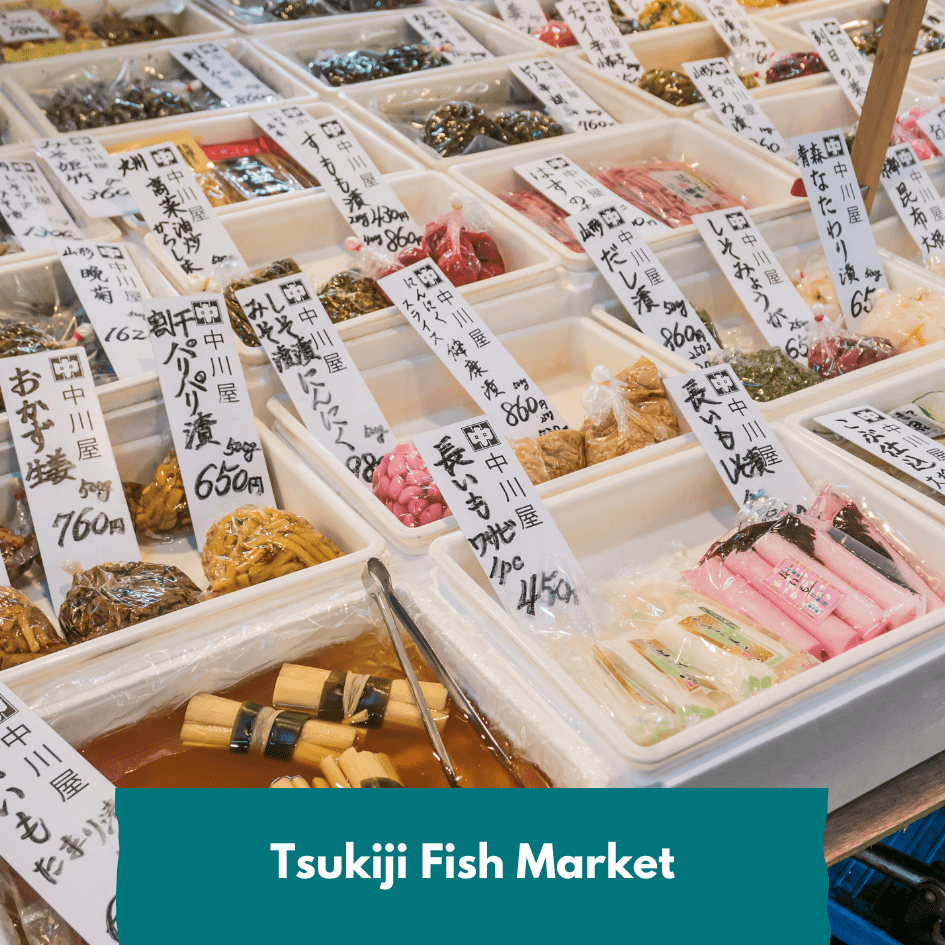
x: 75, y: 34
x: 403, y: 483
x: 459, y: 242
x: 366, y: 6
x: 161, y: 505
x: 834, y: 351
x: 906, y: 130
x: 18, y: 551
x: 253, y: 544
x: 659, y: 14
x: 626, y: 412
x: 522, y: 125
x: 109, y: 597
x: 351, y: 293
x: 238, y: 319
x: 671, y: 191
x: 908, y: 320
x: 119, y: 30
x: 555, y: 33
x: 366, y: 65
x: 293, y: 9
x: 671, y: 86
x: 25, y: 631
x: 256, y: 167
x: 551, y: 455
x: 794, y: 65
x: 548, y: 215
x: 866, y: 35
x: 452, y: 128
x: 767, y: 373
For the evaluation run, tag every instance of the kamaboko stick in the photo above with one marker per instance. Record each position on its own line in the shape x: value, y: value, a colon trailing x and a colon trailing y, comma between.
x: 250, y: 729
x: 716, y: 582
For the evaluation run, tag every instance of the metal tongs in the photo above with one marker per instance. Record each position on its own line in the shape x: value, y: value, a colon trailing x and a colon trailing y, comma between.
x: 377, y: 583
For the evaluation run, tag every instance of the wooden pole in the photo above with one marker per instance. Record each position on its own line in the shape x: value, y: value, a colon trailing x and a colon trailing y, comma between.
x: 890, y: 69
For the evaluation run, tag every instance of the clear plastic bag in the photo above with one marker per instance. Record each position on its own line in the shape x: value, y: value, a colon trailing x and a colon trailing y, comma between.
x: 786, y: 66
x: 238, y: 319
x: 551, y: 455
x: 906, y: 130
x: 908, y: 320
x: 75, y: 34
x: 367, y: 65
x: 833, y: 351
x: 256, y: 167
x: 460, y: 242
x: 403, y: 483
x: 117, y: 29
x: 25, y: 631
x: 254, y: 544
x: 160, y: 506
x: 555, y: 33
x: 767, y: 373
x: 271, y: 11
x: 548, y: 215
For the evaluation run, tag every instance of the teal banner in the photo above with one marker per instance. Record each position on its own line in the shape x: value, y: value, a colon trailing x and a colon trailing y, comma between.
x: 646, y: 867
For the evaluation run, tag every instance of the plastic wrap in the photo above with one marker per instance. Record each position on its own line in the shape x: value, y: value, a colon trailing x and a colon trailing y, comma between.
x: 626, y: 412
x: 816, y: 287
x: 548, y: 215
x: 793, y: 65
x: 118, y: 30
x: 253, y: 544
x: 671, y: 86
x: 252, y: 12
x: 368, y: 6
x: 659, y: 14
x: 27, y: 919
x: 351, y: 293
x: 671, y: 191
x: 367, y: 65
x: 245, y: 170
x: 866, y: 35
x: 908, y: 320
x: 76, y: 35
x: 161, y: 505
x: 238, y: 318
x: 555, y: 33
x: 25, y: 631
x: 833, y: 351
x: 551, y: 455
x: 403, y: 483
x: 19, y: 551
x: 91, y: 97
x: 110, y: 596
x: 460, y: 243
x: 768, y: 373
x: 906, y: 130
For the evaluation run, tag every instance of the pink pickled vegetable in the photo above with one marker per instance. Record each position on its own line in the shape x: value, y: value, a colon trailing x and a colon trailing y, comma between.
x: 548, y: 215
x: 404, y: 484
x: 715, y: 581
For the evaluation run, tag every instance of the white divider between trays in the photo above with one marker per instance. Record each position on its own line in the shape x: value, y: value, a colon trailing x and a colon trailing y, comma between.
x: 803, y: 723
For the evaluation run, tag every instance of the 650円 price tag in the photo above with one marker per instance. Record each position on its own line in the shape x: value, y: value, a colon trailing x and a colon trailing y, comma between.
x: 71, y: 481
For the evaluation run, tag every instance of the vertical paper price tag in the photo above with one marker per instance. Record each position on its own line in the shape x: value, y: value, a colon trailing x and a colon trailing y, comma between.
x: 639, y: 280
x: 631, y: 8
x: 738, y: 32
x: 743, y: 448
x: 727, y: 96
x: 320, y: 376
x: 176, y: 209
x: 913, y: 417
x: 69, y: 472
x: 503, y: 518
x: 59, y: 829
x: 842, y: 222
x: 894, y: 441
x: 208, y: 408
x: 758, y: 279
x: 438, y: 28
x: 471, y: 352
x: 88, y: 172
x: 111, y: 291
x: 222, y: 74
x: 31, y: 209
x: 847, y: 66
x: 915, y: 198
x: 565, y: 102
x: 329, y: 149
x: 20, y: 26
x: 933, y: 124
x: 571, y: 188
x: 522, y: 15
x: 593, y: 25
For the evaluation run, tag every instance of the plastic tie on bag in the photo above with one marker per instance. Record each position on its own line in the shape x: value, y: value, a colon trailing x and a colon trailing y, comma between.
x: 604, y: 397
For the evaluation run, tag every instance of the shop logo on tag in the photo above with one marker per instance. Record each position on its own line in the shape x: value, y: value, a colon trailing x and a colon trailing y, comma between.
x: 65, y: 367
x: 164, y: 157
x: 7, y: 710
x: 480, y: 436
x: 207, y: 312
x: 295, y: 292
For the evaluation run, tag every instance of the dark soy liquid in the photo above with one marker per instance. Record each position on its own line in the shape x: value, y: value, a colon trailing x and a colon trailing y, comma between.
x: 149, y: 754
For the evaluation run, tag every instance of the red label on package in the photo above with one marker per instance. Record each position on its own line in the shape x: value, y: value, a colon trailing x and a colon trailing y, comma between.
x: 804, y: 589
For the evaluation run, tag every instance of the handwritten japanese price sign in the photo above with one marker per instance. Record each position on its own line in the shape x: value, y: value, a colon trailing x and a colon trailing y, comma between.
x: 740, y: 443
x: 565, y: 102
x: 933, y: 124
x: 593, y: 25
x: 471, y: 352
x: 727, y: 96
x: 329, y: 149
x: 31, y: 209
x: 17, y: 26
x: 58, y: 828
x: 522, y: 15
x: 913, y: 417
x: 842, y: 222
x: 736, y: 29
x: 915, y: 198
x: 320, y: 376
x: 895, y: 441
x: 847, y: 66
x: 88, y: 172
x: 639, y: 280
x: 222, y: 74
x: 440, y: 29
x: 72, y: 483
x: 176, y: 209
x: 111, y: 290
x: 501, y: 515
x: 211, y: 418
x: 758, y: 279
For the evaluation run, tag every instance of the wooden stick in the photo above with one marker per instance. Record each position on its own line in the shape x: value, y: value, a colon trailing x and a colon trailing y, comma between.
x: 302, y: 685
x: 364, y: 766
x: 890, y: 68
x: 333, y: 773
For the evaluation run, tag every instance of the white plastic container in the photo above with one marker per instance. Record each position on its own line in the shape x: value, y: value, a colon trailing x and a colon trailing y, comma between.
x: 18, y: 129
x: 249, y: 19
x: 795, y: 242
x: 379, y: 32
x: 24, y: 81
x: 808, y: 731
x: 388, y: 108
x: 313, y: 232
x: 218, y: 128
x: 798, y: 113
x: 887, y: 395
x: 417, y: 393
x: 140, y: 440
x: 764, y: 186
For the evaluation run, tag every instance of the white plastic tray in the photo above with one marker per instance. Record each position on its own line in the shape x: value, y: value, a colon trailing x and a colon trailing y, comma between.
x: 313, y: 232
x: 24, y: 80
x: 19, y: 130
x: 379, y: 32
x: 795, y: 242
x: 766, y: 187
x: 886, y: 395
x: 806, y: 732
x: 489, y: 86
x: 216, y: 128
x: 417, y: 393
x: 140, y: 440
